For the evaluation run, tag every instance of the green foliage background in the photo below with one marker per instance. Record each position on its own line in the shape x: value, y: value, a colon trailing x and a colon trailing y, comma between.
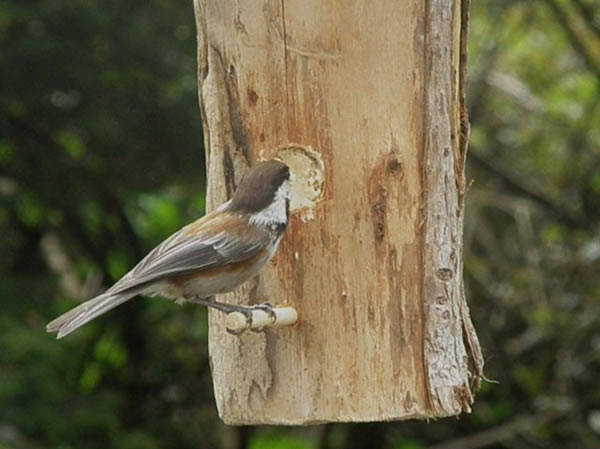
x: 101, y: 157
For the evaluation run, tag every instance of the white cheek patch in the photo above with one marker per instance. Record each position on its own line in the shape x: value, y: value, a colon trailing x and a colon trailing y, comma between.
x: 276, y: 212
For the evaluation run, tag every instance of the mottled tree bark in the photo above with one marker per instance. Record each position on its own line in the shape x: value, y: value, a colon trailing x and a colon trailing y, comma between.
x: 366, y: 98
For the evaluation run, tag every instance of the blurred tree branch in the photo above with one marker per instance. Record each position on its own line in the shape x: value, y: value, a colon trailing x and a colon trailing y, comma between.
x: 498, y: 434
x: 587, y: 13
x: 579, y: 41
x: 523, y: 188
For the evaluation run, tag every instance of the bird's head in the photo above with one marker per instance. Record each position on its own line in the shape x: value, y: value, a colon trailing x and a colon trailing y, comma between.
x: 264, y: 194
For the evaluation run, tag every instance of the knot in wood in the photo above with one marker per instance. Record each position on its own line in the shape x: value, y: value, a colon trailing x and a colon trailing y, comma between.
x: 445, y: 274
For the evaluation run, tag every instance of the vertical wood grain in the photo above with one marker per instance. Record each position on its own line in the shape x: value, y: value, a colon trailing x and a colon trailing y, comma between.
x: 376, y: 276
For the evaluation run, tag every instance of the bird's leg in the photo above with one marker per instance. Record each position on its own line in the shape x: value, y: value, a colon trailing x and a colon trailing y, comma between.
x: 230, y: 308
x: 209, y: 302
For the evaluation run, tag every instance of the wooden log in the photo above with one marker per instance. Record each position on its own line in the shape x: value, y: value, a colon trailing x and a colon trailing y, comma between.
x: 365, y: 102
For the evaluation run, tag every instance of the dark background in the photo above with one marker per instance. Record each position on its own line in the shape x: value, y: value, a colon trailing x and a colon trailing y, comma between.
x: 101, y: 157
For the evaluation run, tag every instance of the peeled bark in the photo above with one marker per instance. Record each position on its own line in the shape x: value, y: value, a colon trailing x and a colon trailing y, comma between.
x: 365, y: 101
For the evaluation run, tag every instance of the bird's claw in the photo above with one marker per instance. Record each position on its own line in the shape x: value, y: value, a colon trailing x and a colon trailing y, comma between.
x: 247, y: 312
x: 268, y: 309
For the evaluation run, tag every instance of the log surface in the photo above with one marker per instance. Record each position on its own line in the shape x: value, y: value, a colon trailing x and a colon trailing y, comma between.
x: 375, y: 269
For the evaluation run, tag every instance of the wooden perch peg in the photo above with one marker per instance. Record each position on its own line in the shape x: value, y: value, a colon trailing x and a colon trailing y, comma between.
x: 260, y: 318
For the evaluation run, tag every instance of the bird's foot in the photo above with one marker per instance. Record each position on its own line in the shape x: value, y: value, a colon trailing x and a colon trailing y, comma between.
x: 250, y: 318
x: 268, y: 309
x: 254, y: 317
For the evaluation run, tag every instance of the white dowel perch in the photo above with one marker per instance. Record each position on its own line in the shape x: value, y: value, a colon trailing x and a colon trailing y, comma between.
x: 237, y: 322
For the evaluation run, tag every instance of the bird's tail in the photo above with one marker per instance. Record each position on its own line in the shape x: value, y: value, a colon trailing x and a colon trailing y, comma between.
x: 87, y: 311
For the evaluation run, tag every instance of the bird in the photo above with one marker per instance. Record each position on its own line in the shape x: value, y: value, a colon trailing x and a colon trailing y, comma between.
x: 211, y: 255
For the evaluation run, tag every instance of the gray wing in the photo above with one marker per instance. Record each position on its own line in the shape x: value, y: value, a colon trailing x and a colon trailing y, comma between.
x: 181, y: 254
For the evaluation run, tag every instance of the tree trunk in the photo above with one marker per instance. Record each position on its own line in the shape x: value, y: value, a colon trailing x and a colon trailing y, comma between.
x: 365, y: 102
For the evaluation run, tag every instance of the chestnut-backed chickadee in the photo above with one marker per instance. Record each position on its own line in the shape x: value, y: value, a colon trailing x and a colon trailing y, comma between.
x: 212, y: 255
